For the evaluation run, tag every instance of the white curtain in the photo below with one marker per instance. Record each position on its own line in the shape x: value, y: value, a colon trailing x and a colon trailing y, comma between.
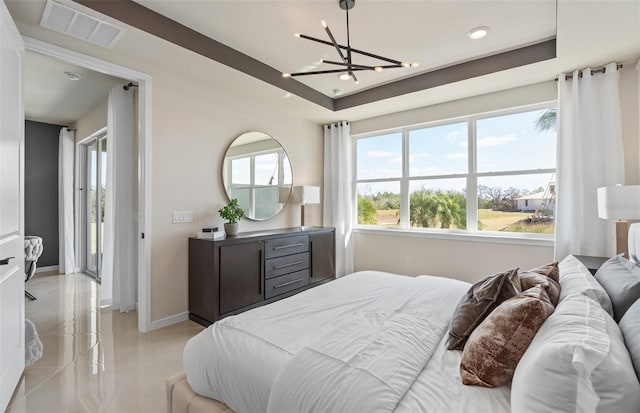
x: 338, y: 192
x: 119, y: 260
x: 66, y: 228
x: 589, y: 156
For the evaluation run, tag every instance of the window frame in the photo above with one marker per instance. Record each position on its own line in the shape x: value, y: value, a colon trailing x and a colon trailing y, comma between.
x: 471, y: 177
x: 252, y: 186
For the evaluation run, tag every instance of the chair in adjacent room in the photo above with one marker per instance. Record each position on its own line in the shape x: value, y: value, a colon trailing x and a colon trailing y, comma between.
x: 32, y: 251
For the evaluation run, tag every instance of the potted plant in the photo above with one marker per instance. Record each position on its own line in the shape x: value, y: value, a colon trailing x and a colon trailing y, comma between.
x: 232, y: 214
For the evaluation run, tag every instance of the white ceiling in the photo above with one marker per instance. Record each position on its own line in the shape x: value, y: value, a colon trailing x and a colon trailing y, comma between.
x: 589, y: 34
x: 49, y: 95
x: 409, y: 31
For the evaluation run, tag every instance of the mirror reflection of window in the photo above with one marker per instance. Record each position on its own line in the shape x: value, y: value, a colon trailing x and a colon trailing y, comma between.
x: 257, y: 172
x: 266, y: 172
x: 241, y: 171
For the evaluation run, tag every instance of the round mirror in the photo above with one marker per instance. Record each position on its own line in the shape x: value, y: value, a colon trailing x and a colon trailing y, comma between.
x: 257, y: 172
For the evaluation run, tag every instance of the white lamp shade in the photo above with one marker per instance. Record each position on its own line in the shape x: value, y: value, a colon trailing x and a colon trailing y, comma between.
x: 306, y: 194
x: 619, y: 202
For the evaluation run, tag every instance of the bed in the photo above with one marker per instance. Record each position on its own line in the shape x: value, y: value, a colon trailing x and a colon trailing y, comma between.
x: 374, y: 341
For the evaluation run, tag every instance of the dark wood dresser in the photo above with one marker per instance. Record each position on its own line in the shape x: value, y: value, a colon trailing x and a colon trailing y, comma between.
x: 241, y: 272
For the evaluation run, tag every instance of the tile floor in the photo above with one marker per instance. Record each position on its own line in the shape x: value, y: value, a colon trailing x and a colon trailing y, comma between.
x: 95, y: 360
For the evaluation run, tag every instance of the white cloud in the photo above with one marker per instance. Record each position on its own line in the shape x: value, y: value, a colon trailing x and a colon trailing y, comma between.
x: 496, y: 140
x: 397, y: 159
x: 452, y: 136
x: 379, y: 172
x: 420, y: 155
x: 457, y: 156
x: 379, y: 154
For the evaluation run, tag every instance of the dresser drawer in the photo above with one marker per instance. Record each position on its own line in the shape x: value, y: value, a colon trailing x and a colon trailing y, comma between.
x: 276, y: 267
x: 279, y: 247
x: 289, y: 282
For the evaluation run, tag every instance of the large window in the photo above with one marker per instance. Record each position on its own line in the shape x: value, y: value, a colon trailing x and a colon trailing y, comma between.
x: 482, y: 173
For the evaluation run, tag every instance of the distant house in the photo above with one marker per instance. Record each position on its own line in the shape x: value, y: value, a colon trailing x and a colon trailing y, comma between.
x: 533, y: 201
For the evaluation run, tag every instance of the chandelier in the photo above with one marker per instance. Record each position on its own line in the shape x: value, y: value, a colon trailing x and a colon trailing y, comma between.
x: 348, y: 67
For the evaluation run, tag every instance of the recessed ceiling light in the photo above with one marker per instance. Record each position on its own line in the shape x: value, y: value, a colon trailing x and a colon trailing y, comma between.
x: 338, y: 92
x: 478, y: 32
x: 72, y: 76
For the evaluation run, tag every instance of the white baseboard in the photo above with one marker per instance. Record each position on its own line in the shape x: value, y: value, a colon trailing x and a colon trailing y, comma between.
x: 167, y: 321
x: 47, y: 269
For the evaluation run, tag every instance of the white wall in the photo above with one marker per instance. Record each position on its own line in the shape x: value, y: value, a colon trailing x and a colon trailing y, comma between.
x: 193, y: 126
x: 630, y: 133
x: 92, y: 121
x: 461, y: 259
x: 471, y: 260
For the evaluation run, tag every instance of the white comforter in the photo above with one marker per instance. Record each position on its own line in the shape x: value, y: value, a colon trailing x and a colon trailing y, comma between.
x: 369, y: 341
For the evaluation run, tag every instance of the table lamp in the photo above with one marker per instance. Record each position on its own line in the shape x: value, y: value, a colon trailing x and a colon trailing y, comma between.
x: 620, y: 203
x: 306, y: 195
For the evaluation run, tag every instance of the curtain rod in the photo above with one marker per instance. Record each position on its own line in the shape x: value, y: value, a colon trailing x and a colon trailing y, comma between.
x: 593, y: 72
x: 337, y: 123
x: 129, y: 86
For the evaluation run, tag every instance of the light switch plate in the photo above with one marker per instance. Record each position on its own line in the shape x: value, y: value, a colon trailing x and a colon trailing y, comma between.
x: 182, y: 217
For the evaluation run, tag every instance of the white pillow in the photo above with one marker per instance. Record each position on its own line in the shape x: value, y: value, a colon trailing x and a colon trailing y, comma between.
x: 575, y: 278
x: 577, y: 362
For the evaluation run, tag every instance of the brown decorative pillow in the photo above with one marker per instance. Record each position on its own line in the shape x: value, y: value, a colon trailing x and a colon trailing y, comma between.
x: 549, y: 270
x: 530, y: 279
x: 478, y: 302
x: 496, y: 346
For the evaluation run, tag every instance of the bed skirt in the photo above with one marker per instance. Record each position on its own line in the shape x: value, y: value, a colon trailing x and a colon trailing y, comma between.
x: 182, y: 399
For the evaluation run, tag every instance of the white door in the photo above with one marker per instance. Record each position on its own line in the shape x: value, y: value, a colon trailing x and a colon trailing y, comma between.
x: 11, y: 211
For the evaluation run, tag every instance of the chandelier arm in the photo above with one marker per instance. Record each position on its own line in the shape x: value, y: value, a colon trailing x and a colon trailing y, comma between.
x: 335, y: 44
x: 319, y: 72
x: 363, y: 67
x: 375, y: 56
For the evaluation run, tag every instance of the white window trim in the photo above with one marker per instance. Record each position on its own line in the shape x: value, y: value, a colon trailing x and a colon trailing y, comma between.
x: 252, y: 186
x: 471, y: 233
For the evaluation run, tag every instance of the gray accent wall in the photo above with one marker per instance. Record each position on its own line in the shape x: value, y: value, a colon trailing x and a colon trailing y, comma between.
x: 41, y: 187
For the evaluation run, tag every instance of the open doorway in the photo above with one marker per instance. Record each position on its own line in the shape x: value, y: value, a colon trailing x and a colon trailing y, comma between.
x: 140, y: 177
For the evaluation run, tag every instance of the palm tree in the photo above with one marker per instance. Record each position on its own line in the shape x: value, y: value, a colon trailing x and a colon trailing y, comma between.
x: 547, y: 121
x: 429, y: 209
x: 366, y: 211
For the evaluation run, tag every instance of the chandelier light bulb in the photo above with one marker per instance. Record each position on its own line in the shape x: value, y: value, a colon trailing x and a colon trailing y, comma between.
x: 286, y: 75
x: 296, y: 34
x: 405, y: 65
x: 324, y: 24
x: 414, y: 64
x: 378, y: 69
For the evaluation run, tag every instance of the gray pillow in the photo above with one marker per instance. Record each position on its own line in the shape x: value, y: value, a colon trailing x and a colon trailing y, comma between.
x: 630, y: 327
x: 621, y: 279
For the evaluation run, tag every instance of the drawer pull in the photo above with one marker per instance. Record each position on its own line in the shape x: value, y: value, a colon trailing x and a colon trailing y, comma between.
x: 282, y: 247
x: 287, y: 283
x: 291, y: 264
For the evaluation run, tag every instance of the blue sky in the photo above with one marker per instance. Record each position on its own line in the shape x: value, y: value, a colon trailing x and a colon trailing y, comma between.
x: 504, y: 143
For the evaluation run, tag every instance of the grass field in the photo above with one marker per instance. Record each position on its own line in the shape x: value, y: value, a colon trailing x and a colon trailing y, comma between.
x: 387, y: 217
x: 489, y: 221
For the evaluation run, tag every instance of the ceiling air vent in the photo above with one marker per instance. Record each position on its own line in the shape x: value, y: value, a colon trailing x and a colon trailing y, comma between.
x: 64, y: 19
